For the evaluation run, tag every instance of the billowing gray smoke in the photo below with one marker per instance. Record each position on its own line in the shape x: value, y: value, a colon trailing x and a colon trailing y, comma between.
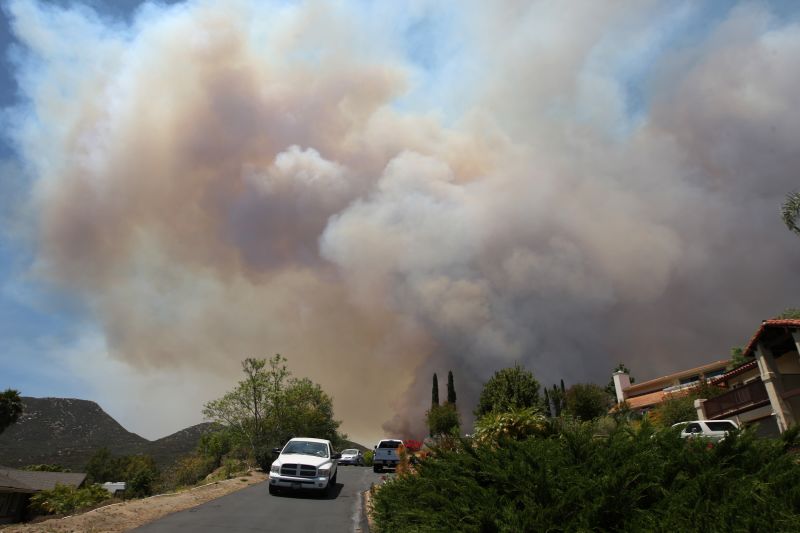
x: 560, y: 187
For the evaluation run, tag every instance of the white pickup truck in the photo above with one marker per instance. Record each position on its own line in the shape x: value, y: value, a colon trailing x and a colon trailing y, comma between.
x: 386, y: 454
x: 304, y: 463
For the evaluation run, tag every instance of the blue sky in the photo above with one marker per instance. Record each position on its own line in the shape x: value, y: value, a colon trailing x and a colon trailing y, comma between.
x: 59, y: 338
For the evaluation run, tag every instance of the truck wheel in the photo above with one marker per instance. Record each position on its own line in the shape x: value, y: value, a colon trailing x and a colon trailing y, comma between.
x: 377, y: 469
x: 331, y: 486
x: 273, y: 490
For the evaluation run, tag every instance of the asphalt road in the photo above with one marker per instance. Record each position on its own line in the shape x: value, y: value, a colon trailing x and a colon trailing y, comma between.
x: 253, y: 509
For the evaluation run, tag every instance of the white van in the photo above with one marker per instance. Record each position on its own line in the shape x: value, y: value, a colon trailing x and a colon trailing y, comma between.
x: 715, y: 430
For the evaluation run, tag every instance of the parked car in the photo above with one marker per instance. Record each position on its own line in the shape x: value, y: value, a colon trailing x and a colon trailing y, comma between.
x: 304, y: 463
x: 386, y: 454
x: 352, y: 456
x: 715, y: 430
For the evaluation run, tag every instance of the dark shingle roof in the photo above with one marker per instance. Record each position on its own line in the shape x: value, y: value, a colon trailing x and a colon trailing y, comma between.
x: 8, y: 484
x: 34, y: 481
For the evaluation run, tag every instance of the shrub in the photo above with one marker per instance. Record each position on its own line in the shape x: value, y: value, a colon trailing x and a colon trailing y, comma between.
x: 189, y: 470
x: 443, y: 419
x: 509, y: 388
x: 46, y: 468
x: 494, y: 428
x: 140, y: 475
x: 369, y: 455
x: 64, y: 499
x: 632, y: 480
x: 587, y: 401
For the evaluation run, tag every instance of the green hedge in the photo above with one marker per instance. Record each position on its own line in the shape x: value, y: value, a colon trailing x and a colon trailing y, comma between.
x: 631, y: 480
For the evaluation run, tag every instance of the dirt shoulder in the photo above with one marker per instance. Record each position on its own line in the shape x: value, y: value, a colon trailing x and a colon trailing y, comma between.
x: 134, y: 513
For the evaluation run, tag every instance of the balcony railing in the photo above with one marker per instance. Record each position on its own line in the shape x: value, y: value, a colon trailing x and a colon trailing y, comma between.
x: 751, y: 395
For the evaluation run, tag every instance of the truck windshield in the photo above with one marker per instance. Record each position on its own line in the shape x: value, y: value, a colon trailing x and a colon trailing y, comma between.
x: 303, y: 447
x: 390, y: 444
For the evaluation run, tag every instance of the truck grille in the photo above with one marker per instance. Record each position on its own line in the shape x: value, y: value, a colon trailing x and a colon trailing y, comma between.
x: 298, y: 470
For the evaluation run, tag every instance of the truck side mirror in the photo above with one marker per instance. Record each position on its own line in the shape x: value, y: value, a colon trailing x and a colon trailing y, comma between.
x: 276, y: 451
x: 337, y: 456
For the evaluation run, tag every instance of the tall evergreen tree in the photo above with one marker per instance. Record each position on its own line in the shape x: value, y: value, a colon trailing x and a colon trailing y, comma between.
x: 547, y: 410
x: 435, y: 391
x: 451, y: 388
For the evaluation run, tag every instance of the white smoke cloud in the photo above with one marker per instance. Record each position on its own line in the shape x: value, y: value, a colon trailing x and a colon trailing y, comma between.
x: 217, y: 181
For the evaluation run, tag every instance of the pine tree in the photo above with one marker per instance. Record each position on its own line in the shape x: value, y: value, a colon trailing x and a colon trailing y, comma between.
x: 435, y: 391
x: 451, y: 388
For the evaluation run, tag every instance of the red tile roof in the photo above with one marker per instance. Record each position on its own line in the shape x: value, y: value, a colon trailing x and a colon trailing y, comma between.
x: 771, y: 323
x: 735, y: 372
x: 645, y: 400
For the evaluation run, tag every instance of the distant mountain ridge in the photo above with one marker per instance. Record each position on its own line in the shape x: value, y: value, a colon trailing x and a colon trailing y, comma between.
x: 68, y: 432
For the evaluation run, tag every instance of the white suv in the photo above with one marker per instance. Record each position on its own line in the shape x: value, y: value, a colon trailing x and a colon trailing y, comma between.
x: 304, y: 463
x: 715, y: 430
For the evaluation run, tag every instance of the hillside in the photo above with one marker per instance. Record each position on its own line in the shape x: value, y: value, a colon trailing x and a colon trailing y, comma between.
x: 68, y: 431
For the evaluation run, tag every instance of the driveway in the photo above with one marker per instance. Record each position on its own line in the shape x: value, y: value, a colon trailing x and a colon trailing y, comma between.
x: 253, y: 509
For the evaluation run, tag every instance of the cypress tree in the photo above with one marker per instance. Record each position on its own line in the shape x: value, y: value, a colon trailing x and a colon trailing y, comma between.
x: 547, y: 410
x: 435, y: 391
x: 451, y: 388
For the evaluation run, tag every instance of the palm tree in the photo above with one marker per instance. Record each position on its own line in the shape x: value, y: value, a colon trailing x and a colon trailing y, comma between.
x: 10, y: 408
x: 790, y: 211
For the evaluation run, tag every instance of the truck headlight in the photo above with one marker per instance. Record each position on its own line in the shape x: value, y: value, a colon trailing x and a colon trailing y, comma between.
x: 325, y: 471
x: 275, y: 468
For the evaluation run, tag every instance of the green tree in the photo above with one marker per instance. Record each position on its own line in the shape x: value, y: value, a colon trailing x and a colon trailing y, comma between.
x: 451, y: 388
x: 586, y: 401
x: 509, y: 388
x: 443, y: 419
x: 790, y: 212
x: 435, y: 391
x: 104, y: 467
x: 308, y: 411
x: 261, y: 392
x: 269, y: 407
x: 215, y: 445
x: 10, y: 408
x: 140, y: 474
x: 557, y: 397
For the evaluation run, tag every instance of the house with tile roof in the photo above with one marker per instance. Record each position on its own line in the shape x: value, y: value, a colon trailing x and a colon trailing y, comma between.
x: 17, y: 486
x: 764, y: 391
x: 644, y: 396
x: 766, y: 388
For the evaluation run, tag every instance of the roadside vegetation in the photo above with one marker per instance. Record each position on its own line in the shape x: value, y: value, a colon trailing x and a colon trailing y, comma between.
x: 64, y: 500
x: 526, y: 468
x: 266, y: 409
x: 263, y: 411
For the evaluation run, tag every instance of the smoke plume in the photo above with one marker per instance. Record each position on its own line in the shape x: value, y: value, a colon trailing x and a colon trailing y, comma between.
x: 559, y: 185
